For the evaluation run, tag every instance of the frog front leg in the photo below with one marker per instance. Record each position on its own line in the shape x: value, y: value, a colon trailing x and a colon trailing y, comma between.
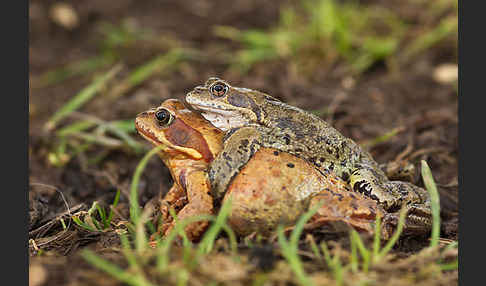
x: 418, y: 220
x: 391, y: 195
x: 174, y: 199
x: 199, y: 201
x: 239, y: 146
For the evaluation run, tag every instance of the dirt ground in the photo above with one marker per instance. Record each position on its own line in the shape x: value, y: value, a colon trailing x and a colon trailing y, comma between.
x: 363, y: 108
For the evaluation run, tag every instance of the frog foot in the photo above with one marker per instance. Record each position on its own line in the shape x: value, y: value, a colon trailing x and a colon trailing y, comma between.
x: 391, y: 195
x: 417, y: 222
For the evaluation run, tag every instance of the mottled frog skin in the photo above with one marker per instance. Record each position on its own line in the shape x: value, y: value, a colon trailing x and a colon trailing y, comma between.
x: 272, y: 188
x: 253, y: 119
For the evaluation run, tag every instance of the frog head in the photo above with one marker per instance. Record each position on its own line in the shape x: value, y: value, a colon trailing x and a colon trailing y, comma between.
x: 227, y: 106
x: 182, y: 133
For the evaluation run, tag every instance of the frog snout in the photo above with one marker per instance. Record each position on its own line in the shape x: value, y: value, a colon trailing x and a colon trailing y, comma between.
x: 145, y: 113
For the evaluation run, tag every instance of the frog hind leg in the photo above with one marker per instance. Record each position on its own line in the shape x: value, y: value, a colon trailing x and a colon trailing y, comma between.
x: 239, y: 146
x: 175, y: 199
x: 199, y: 202
x: 392, y: 195
x: 344, y: 208
x: 416, y: 200
x: 417, y: 222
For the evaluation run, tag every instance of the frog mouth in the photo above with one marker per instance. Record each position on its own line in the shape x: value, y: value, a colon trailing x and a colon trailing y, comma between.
x: 146, y: 133
x: 164, y: 146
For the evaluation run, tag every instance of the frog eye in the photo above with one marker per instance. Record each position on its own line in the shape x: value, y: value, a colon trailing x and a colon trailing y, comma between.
x: 164, y: 117
x: 218, y: 89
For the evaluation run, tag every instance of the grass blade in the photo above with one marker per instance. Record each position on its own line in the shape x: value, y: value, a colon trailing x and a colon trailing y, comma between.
x: 314, y: 247
x: 434, y: 203
x: 207, y: 243
x: 75, y: 127
x: 290, y: 248
x: 74, y: 69
x: 293, y: 258
x: 82, y: 224
x: 81, y: 98
x: 113, y: 206
x: 377, y: 239
x: 356, y: 240
x: 353, y: 260
x: 134, y: 206
x: 164, y: 246
x: 156, y: 65
x: 114, y: 270
x: 382, y: 138
x: 101, y: 212
x: 391, y: 242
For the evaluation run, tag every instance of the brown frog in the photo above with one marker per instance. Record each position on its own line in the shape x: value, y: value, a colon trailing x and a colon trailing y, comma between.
x: 272, y: 188
x: 252, y: 116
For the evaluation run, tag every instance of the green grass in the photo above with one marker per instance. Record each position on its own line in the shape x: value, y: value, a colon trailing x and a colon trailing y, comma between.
x: 435, y: 203
x: 135, y: 279
x: 79, y: 136
x: 91, y: 223
x: 134, y: 206
x: 321, y: 33
x: 382, y: 138
x: 81, y: 98
x: 77, y: 68
x: 90, y: 133
x: 376, y: 254
x: 445, y: 28
x: 290, y: 247
x: 140, y: 256
x: 334, y: 264
x: 88, y: 130
x: 116, y: 40
x: 158, y: 65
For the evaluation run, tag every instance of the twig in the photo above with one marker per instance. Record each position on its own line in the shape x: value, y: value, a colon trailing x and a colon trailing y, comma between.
x: 333, y: 106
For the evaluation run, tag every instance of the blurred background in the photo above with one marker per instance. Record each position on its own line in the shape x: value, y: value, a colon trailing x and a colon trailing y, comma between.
x: 383, y: 72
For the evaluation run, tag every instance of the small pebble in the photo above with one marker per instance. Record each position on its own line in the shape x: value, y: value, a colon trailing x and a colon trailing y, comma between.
x: 446, y: 73
x: 64, y: 15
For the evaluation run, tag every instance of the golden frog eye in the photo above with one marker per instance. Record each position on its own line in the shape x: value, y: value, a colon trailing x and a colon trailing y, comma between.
x: 218, y: 89
x: 164, y: 117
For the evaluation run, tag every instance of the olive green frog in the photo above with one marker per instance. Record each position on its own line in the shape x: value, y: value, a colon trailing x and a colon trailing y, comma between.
x: 253, y: 119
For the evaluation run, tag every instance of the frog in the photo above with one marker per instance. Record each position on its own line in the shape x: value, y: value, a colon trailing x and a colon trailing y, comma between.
x: 273, y: 188
x: 247, y: 115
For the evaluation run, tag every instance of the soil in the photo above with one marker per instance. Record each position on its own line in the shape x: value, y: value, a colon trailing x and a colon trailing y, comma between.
x: 373, y: 104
